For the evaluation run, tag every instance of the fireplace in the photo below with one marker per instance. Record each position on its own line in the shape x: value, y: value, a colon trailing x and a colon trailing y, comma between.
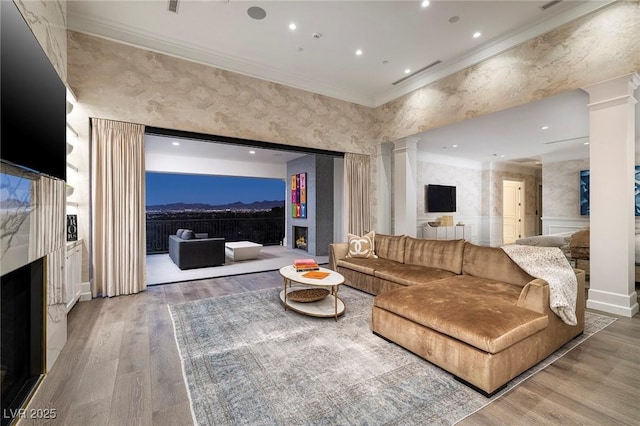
x: 22, y: 336
x: 301, y: 237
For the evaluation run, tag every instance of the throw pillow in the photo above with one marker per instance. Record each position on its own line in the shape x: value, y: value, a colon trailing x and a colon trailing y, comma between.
x: 179, y: 232
x: 362, y: 246
x: 188, y: 235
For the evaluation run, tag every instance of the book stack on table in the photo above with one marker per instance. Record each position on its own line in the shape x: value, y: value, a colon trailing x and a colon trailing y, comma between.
x: 302, y: 265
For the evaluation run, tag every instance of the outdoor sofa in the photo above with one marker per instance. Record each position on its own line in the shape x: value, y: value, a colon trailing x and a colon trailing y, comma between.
x: 188, y: 252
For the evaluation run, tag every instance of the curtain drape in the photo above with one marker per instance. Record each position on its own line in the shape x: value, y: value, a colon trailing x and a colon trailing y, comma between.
x: 118, y: 211
x: 356, y: 193
x: 47, y: 222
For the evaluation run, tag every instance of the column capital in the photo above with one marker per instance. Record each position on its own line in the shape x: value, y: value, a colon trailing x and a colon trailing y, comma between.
x: 615, y: 89
x: 406, y: 144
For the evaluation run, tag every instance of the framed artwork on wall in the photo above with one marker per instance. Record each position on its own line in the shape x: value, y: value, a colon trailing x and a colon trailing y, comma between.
x: 584, y: 191
x: 299, y: 196
x: 72, y: 227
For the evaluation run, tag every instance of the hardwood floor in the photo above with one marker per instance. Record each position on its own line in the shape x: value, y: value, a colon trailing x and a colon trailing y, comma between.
x: 121, y: 367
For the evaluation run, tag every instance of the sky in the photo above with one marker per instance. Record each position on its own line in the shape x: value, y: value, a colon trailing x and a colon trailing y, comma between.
x: 166, y: 188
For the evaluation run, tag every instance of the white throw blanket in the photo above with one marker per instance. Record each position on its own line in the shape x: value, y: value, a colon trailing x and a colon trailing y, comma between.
x: 551, y: 265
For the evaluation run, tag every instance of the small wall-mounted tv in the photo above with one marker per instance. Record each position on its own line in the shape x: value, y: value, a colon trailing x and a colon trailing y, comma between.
x: 440, y: 198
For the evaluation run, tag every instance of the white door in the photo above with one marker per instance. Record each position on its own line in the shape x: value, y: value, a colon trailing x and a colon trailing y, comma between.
x: 511, y: 211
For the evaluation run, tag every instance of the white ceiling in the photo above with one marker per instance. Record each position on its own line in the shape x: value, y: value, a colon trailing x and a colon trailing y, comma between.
x: 164, y: 145
x: 221, y: 34
x: 517, y: 134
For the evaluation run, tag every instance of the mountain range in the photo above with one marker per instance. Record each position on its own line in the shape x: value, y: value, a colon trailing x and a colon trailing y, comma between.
x: 238, y: 205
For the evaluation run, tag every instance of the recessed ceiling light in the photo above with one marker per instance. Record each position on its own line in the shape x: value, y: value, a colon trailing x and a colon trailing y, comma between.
x: 292, y: 26
x: 425, y: 3
x: 477, y: 34
x: 252, y: 152
x: 455, y: 146
x: 407, y: 71
x: 586, y: 143
x: 256, y: 12
x: 544, y: 128
x: 359, y: 52
x: 175, y: 143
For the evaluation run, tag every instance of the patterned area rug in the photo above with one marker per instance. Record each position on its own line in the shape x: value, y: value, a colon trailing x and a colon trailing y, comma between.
x: 248, y: 362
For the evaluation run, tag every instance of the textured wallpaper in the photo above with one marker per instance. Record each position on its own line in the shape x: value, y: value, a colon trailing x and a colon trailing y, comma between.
x: 561, y: 188
x: 121, y: 82
x: 48, y: 21
x: 468, y: 183
x: 591, y: 49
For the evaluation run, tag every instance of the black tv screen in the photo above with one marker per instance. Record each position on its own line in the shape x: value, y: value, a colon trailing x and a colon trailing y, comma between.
x: 33, y: 107
x: 440, y: 198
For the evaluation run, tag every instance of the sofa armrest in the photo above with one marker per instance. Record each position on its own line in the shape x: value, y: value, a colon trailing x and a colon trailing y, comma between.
x: 535, y: 296
x: 337, y: 251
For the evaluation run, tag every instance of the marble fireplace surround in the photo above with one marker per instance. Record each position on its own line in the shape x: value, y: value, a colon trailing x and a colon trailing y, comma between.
x: 26, y: 239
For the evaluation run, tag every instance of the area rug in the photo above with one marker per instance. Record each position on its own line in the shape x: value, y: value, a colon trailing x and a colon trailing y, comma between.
x: 247, y: 361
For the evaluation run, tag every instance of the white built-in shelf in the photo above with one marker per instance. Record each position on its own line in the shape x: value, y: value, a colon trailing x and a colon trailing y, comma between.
x: 72, y: 130
x: 446, y: 232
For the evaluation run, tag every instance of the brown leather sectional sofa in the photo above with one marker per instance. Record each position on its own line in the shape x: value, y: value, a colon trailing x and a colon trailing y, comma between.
x: 468, y: 309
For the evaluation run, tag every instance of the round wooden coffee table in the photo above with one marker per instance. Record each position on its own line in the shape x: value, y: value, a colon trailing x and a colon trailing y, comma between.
x: 326, y: 307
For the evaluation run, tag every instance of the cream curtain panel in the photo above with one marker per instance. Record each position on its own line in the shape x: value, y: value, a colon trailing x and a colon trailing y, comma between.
x: 118, y: 210
x: 356, y: 193
x: 48, y: 222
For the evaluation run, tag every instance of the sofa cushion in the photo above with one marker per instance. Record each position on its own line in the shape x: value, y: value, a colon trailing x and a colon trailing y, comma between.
x: 361, y: 246
x: 442, y: 254
x: 477, y: 311
x: 406, y: 274
x: 390, y: 247
x: 494, y: 264
x: 179, y: 232
x: 366, y: 266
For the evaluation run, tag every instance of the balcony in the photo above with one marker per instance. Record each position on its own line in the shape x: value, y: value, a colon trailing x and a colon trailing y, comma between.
x: 262, y: 230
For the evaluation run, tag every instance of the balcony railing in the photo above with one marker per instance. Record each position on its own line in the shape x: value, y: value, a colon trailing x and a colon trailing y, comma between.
x: 264, y: 230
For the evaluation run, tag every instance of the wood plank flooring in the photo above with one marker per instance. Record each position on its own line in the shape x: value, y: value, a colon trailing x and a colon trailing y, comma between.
x: 121, y: 367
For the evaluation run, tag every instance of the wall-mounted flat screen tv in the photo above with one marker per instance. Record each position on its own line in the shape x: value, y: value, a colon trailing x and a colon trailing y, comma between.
x: 440, y: 198
x: 33, y: 102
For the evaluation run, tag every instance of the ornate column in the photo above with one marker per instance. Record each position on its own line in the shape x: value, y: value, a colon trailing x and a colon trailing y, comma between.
x: 404, y: 186
x: 383, y: 166
x: 611, y: 193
